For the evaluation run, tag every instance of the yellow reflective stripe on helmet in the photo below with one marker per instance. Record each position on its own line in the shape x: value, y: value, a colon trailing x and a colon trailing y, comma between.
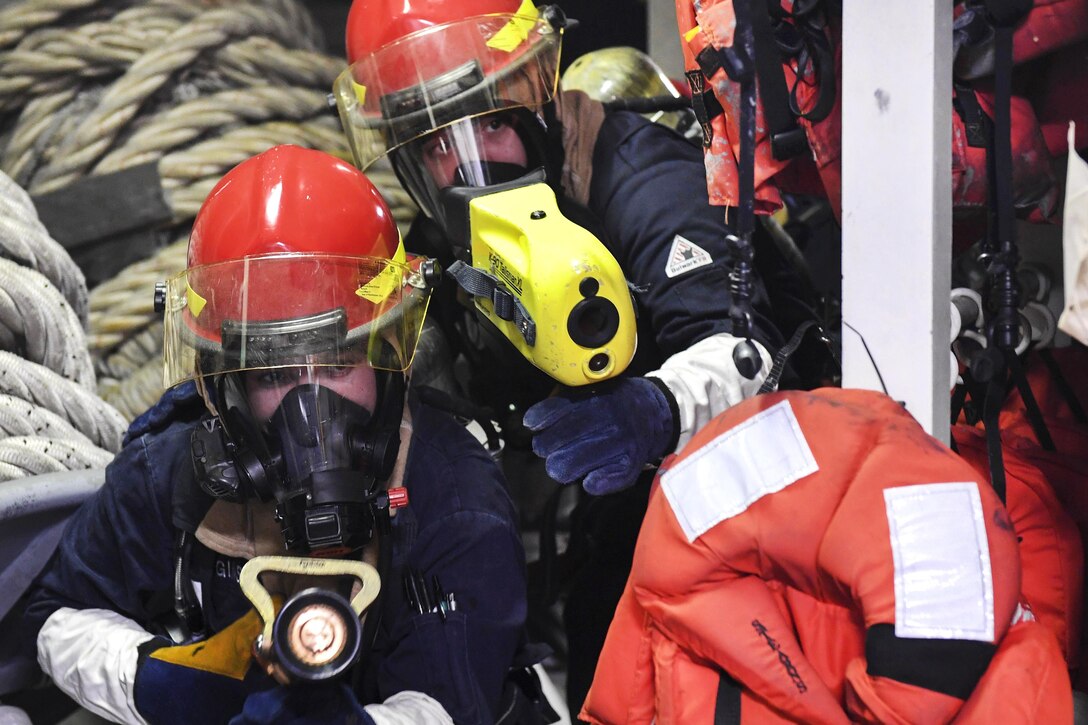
x: 516, y: 30
x: 196, y: 302
x: 388, y: 280
x: 360, y: 92
x: 691, y: 33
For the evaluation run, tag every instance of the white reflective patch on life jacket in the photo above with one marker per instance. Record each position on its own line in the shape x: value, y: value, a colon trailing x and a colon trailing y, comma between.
x: 684, y: 256
x: 762, y: 455
x: 943, y: 583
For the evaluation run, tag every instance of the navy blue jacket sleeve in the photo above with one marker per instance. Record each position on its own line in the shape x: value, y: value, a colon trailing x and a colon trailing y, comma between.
x: 467, y: 536
x: 648, y: 187
x: 117, y: 549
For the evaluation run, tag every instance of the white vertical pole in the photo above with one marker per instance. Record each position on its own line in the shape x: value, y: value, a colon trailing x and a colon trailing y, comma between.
x: 662, y: 37
x: 897, y: 201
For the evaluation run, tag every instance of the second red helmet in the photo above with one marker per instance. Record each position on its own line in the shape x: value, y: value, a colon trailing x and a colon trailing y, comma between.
x: 419, y: 65
x: 294, y: 256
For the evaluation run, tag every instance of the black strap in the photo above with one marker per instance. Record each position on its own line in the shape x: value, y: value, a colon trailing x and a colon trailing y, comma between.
x: 746, y: 357
x: 186, y: 603
x: 991, y: 411
x: 787, y: 138
x: 976, y: 123
x: 734, y: 60
x: 1000, y: 257
x: 1031, y: 406
x: 818, y: 52
x: 949, y: 666
x: 479, y: 283
x: 703, y: 103
x: 959, y: 397
x: 727, y: 704
x: 1005, y: 292
x: 650, y: 105
x: 782, y: 356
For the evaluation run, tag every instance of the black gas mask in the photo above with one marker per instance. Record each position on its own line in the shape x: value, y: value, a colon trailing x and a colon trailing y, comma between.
x: 320, y: 456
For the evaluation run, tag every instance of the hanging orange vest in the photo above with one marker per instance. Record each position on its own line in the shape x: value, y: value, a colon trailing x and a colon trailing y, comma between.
x: 840, y: 565
x: 1049, y: 27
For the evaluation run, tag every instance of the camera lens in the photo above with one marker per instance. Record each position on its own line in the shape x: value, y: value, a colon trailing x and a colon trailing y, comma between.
x: 593, y: 322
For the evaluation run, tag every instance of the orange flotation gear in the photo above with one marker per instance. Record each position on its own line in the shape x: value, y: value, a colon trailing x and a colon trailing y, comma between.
x: 806, y: 43
x: 837, y: 564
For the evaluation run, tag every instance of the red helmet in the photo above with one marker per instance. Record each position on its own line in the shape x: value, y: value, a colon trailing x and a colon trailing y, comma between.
x: 294, y: 256
x: 419, y: 65
x: 373, y: 24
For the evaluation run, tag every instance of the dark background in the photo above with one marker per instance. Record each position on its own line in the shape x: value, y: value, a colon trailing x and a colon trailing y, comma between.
x: 601, y: 25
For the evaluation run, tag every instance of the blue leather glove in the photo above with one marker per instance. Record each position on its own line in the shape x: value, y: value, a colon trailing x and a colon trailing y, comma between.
x: 206, y: 681
x: 605, y: 433
x: 326, y: 703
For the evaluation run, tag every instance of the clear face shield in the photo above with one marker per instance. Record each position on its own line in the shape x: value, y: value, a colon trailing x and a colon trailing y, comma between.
x: 433, y: 96
x: 301, y: 355
x: 496, y: 148
x: 278, y: 310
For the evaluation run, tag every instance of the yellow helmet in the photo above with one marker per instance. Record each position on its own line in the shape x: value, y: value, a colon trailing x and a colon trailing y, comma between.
x: 623, y: 72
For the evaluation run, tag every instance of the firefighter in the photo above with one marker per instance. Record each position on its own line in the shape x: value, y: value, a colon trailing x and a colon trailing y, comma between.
x: 295, y: 325
x: 463, y: 93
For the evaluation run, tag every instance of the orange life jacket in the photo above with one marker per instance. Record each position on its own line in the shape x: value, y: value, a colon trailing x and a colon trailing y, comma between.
x: 840, y: 565
x: 1050, y: 27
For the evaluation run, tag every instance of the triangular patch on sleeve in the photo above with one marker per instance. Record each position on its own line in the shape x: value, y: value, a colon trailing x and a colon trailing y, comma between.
x: 685, y: 256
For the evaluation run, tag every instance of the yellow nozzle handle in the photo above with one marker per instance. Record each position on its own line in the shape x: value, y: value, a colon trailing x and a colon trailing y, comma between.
x: 249, y: 581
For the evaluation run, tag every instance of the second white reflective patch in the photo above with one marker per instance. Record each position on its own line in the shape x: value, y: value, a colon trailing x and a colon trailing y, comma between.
x: 762, y: 455
x: 943, y: 582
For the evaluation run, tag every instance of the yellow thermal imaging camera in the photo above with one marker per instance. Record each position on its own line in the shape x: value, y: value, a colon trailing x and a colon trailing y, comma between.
x: 548, y: 285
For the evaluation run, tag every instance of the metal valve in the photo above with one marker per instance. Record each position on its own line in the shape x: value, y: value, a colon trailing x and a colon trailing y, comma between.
x: 318, y: 634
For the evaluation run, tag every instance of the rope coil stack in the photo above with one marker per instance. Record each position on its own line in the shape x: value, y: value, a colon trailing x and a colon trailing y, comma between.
x: 91, y: 87
x: 50, y: 417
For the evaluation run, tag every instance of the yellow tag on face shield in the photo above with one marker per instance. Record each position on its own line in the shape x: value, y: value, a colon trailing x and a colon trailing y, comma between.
x: 516, y: 30
x: 562, y: 299
x: 387, y: 281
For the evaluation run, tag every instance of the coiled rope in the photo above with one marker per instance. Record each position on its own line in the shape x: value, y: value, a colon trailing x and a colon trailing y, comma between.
x: 24, y: 240
x: 50, y: 417
x: 90, y: 87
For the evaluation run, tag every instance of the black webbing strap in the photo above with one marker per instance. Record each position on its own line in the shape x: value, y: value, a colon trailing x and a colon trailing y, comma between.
x: 1031, y: 405
x: 959, y: 398
x: 820, y: 54
x: 652, y: 104
x: 734, y: 61
x: 976, y: 123
x: 787, y: 138
x: 784, y: 353
x: 187, y: 604
x: 801, y: 34
x: 745, y: 355
x: 991, y: 412
x: 1006, y: 285
x: 703, y: 103
x: 727, y: 703
x: 479, y: 283
x: 1000, y: 252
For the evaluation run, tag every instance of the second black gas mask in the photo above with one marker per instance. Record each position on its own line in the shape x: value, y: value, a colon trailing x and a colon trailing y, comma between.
x: 320, y: 456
